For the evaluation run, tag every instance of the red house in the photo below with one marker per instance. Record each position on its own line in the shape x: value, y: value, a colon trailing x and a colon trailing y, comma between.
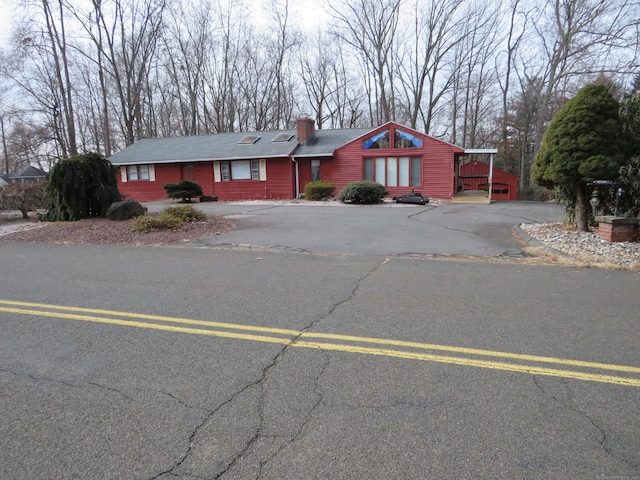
x: 277, y: 165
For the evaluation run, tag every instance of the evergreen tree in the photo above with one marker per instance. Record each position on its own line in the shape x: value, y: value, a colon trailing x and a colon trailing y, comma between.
x: 584, y: 142
x: 80, y: 187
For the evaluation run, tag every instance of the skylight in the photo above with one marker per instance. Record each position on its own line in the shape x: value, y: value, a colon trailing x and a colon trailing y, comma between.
x: 248, y: 140
x: 282, y: 138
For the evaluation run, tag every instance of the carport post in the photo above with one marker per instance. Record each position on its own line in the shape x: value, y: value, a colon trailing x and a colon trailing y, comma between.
x: 490, y: 185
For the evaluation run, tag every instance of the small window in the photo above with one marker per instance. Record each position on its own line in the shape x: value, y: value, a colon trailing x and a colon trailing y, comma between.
x: 225, y: 172
x: 315, y: 170
x: 132, y: 173
x: 255, y: 170
x: 249, y: 140
x: 282, y: 138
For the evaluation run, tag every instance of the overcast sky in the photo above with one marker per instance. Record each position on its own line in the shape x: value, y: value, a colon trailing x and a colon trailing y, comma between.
x: 6, y: 20
x: 310, y: 12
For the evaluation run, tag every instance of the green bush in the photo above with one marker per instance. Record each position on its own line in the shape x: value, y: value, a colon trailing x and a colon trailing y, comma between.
x: 318, y: 190
x: 363, y: 192
x: 184, y: 189
x: 186, y: 213
x: 164, y: 221
x: 171, y: 218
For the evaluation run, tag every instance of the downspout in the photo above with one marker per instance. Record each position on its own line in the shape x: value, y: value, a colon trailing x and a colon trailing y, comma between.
x: 297, y: 175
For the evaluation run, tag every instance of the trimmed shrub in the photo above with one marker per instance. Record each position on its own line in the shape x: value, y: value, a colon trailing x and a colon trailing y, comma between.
x: 363, y: 193
x: 164, y: 221
x: 184, y: 189
x: 186, y: 213
x: 318, y: 190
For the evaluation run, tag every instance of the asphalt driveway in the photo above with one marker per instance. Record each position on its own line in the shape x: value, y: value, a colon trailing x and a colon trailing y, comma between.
x: 387, y: 229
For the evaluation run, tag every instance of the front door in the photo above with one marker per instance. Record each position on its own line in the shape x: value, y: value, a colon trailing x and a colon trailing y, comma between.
x: 188, y: 172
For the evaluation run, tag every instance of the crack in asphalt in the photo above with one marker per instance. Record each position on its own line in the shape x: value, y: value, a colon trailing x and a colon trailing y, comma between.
x: 307, y: 417
x: 568, y: 404
x: 260, y: 382
x: 66, y: 383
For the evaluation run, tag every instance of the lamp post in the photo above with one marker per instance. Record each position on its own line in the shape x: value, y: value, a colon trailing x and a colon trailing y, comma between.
x: 595, y: 200
x: 618, y: 195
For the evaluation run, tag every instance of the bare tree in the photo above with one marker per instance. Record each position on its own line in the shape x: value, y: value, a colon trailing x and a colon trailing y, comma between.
x: 425, y: 68
x: 128, y: 36
x: 187, y: 45
x: 370, y: 28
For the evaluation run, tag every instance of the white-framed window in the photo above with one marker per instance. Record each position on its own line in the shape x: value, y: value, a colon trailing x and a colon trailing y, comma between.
x: 137, y: 173
x: 394, y: 171
x: 228, y: 171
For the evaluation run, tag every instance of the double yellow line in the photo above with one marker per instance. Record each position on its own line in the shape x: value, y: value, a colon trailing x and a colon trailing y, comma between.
x: 496, y: 360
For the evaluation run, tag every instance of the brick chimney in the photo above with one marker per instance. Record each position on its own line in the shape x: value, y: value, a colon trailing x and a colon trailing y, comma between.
x: 306, y: 129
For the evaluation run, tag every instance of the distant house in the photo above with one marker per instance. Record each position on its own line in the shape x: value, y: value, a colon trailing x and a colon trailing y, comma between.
x: 474, y: 176
x: 278, y: 164
x: 28, y: 175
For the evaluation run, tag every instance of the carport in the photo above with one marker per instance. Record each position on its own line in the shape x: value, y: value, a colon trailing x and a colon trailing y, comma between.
x: 477, y: 186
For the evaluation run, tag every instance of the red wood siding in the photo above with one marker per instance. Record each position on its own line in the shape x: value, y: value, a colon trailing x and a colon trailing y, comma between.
x: 474, y: 177
x: 437, y: 169
x: 278, y: 185
x: 146, y: 191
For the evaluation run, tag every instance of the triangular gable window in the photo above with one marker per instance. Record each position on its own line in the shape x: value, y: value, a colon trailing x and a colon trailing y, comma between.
x: 401, y: 139
x: 406, y: 140
x: 379, y: 140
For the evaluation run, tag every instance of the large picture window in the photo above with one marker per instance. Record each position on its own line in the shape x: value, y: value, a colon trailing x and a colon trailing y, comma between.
x: 226, y: 171
x: 394, y: 171
x: 240, y: 170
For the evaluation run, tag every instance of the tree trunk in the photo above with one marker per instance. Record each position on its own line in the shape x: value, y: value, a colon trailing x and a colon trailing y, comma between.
x: 582, y: 216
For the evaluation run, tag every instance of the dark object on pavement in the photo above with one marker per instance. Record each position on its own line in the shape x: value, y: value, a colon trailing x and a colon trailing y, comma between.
x: 411, y: 197
x: 125, y: 210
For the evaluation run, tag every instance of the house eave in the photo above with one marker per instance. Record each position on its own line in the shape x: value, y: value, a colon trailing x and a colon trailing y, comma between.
x: 194, y: 160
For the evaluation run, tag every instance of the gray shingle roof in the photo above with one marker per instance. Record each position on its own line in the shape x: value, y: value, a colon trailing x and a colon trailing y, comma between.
x: 325, y: 142
x: 224, y: 146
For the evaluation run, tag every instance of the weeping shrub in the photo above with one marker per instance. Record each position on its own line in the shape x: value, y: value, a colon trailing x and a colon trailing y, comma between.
x: 80, y: 187
x: 363, y: 192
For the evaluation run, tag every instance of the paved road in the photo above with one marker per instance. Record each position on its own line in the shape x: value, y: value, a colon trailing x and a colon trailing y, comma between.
x: 192, y: 363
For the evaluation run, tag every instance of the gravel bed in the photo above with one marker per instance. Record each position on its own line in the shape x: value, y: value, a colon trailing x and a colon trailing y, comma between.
x: 585, y: 245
